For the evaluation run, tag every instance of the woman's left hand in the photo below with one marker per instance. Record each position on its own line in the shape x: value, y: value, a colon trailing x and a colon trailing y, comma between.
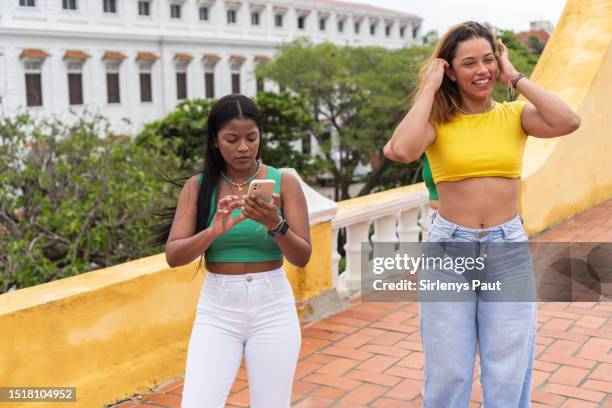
x: 263, y: 212
x: 507, y: 72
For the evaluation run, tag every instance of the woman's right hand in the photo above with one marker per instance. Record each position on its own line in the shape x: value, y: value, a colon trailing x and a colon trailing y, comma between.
x: 435, y: 73
x: 223, y: 219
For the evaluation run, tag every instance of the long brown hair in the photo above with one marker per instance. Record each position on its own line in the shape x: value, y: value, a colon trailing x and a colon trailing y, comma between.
x: 447, y: 99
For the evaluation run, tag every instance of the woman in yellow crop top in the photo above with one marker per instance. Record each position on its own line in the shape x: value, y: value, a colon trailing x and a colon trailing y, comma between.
x: 475, y: 148
x: 246, y: 305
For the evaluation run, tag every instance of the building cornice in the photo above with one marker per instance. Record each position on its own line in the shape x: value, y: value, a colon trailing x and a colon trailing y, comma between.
x: 145, y: 38
x: 349, y: 8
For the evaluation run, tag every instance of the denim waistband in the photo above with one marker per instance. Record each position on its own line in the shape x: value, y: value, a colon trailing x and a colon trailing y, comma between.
x: 450, y: 229
x: 254, y: 278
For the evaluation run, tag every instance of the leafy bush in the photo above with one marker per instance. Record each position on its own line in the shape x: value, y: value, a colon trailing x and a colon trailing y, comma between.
x: 71, y: 201
x: 180, y: 133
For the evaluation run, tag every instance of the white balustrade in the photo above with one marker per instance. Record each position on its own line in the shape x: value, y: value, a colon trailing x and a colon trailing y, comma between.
x: 356, y: 234
x: 409, y: 229
x: 385, y: 229
x: 394, y: 217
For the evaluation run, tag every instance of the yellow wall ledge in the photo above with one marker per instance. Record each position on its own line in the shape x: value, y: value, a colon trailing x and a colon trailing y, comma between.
x: 103, y: 331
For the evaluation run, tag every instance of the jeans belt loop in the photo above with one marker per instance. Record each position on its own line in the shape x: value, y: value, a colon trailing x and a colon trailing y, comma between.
x: 505, y: 232
x: 452, y: 231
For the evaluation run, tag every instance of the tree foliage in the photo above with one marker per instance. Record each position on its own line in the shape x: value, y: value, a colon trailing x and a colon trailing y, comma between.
x: 357, y: 94
x: 71, y: 201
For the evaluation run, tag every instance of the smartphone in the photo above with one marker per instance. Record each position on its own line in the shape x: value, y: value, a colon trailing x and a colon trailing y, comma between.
x: 262, y: 189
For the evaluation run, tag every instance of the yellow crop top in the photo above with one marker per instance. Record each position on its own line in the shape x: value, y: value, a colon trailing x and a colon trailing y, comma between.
x: 479, y: 145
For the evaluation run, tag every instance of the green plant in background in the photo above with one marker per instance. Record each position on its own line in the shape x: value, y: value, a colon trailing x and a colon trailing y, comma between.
x: 288, y: 125
x: 180, y: 133
x: 71, y: 201
x: 356, y: 95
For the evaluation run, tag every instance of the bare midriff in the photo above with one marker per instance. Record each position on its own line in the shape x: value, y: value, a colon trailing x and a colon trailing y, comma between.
x: 241, y: 268
x: 479, y: 202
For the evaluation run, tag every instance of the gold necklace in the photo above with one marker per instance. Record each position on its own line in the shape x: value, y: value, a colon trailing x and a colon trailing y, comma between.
x: 491, y: 106
x: 247, y: 181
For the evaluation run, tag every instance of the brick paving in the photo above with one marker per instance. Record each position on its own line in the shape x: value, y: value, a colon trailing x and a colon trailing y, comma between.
x: 370, y: 355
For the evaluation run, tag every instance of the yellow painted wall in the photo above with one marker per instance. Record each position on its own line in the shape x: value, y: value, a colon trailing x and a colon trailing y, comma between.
x: 564, y: 176
x: 110, y: 333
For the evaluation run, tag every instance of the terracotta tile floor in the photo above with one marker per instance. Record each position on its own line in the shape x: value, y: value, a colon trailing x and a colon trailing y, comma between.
x: 370, y: 355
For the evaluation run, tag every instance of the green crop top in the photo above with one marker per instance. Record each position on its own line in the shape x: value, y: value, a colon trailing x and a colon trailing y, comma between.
x: 247, y: 241
x: 428, y: 179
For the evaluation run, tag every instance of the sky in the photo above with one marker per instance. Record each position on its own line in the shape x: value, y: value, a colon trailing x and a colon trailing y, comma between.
x: 508, y: 14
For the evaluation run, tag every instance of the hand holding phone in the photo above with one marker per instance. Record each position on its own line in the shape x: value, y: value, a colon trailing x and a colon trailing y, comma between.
x: 261, y: 204
x: 262, y: 189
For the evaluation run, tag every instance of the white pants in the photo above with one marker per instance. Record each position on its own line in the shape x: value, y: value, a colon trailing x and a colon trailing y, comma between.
x: 252, y: 314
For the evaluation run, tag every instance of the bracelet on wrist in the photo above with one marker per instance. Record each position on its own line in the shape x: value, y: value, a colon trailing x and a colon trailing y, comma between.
x: 275, y: 227
x: 512, y: 86
x: 516, y: 79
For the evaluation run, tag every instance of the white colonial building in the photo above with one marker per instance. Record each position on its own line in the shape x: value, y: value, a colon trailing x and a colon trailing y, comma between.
x: 136, y: 58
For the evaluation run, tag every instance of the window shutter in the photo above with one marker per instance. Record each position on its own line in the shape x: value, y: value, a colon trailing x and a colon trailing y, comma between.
x: 145, y: 87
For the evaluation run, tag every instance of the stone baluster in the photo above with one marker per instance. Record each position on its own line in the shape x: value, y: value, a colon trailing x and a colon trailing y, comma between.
x: 408, y: 229
x: 356, y: 233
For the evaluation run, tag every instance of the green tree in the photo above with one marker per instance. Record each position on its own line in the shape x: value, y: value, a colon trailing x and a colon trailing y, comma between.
x: 287, y: 120
x: 431, y: 38
x: 536, y: 44
x: 180, y: 133
x: 72, y: 201
x: 357, y: 96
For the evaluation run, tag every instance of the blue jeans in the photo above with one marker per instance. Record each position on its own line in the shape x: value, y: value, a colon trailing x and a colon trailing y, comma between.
x: 501, y: 324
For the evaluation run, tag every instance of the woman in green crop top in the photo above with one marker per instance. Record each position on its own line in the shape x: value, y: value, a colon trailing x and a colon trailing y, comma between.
x: 246, y: 306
